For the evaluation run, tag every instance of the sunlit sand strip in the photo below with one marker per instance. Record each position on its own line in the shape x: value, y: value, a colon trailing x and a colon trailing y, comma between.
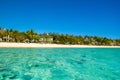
x: 38, y: 45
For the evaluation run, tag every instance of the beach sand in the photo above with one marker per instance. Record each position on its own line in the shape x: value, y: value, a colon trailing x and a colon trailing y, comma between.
x: 38, y: 45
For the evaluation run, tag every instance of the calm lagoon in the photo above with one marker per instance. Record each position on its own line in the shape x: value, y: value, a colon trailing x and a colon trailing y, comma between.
x: 59, y: 63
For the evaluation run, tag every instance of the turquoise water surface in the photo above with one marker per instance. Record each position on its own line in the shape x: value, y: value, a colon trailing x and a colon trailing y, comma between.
x: 59, y: 63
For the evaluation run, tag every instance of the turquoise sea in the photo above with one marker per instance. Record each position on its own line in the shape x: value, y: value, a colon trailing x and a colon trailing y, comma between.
x: 59, y: 63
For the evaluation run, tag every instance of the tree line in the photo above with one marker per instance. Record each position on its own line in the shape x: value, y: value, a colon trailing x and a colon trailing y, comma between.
x: 10, y: 35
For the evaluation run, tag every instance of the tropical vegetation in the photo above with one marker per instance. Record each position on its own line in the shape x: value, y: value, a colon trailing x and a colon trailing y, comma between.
x: 30, y: 36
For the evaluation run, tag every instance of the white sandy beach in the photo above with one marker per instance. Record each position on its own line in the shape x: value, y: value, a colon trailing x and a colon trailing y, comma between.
x: 38, y: 45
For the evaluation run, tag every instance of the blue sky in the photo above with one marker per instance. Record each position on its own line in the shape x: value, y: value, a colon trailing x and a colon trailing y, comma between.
x: 78, y: 17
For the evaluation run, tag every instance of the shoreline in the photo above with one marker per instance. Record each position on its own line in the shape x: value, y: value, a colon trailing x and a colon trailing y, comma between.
x: 38, y: 45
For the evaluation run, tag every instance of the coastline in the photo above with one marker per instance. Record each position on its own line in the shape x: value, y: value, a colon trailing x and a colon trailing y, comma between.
x: 38, y: 45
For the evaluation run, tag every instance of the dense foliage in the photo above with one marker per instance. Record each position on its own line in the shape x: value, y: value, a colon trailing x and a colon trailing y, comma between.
x: 10, y: 35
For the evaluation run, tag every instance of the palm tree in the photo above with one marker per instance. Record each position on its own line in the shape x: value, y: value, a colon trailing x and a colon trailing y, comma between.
x: 31, y: 35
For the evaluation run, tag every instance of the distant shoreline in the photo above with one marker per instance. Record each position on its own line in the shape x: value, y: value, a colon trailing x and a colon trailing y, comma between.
x: 38, y: 45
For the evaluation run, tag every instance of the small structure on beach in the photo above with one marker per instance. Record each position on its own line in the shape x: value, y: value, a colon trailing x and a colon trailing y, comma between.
x: 7, y: 38
x: 26, y: 41
x: 0, y: 39
x: 46, y: 38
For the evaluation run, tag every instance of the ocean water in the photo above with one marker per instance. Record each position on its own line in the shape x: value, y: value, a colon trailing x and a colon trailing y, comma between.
x: 59, y: 63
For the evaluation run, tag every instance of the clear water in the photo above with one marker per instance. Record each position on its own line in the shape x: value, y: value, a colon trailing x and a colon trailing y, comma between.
x: 59, y: 63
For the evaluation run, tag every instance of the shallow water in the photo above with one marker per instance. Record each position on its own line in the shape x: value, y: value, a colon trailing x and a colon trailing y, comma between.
x: 59, y: 64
